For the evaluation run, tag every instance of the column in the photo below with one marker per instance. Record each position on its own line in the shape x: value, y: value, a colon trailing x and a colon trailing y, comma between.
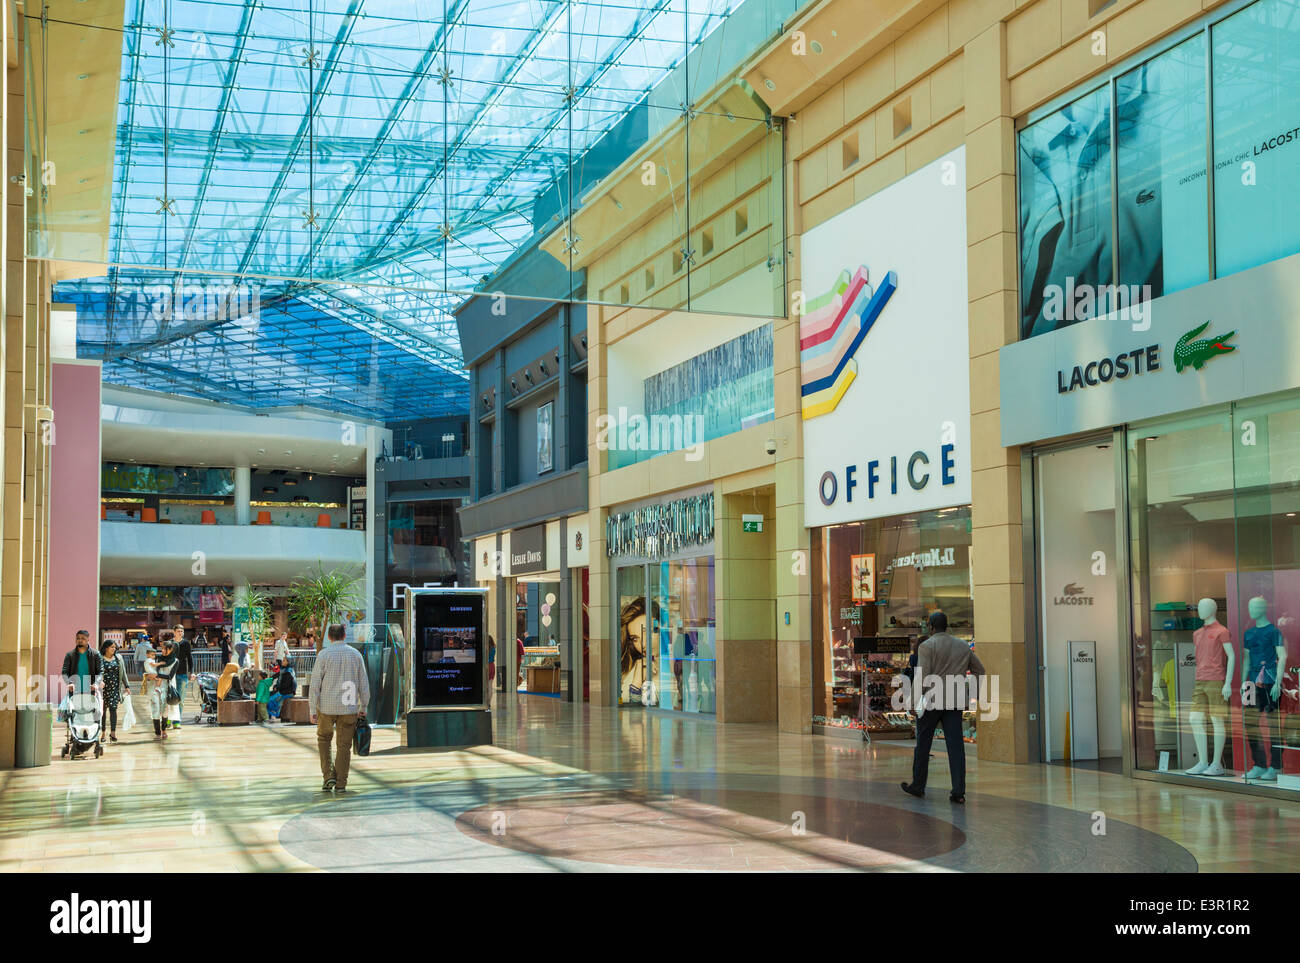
x: 791, y: 561
x: 571, y: 659
x: 243, y: 486
x: 499, y: 428
x: 992, y: 281
x: 563, y: 416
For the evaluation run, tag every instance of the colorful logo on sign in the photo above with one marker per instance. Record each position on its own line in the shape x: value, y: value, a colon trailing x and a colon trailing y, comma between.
x: 1193, y: 354
x: 830, y: 332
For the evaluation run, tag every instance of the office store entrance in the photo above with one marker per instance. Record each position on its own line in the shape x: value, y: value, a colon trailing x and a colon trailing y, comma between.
x: 1077, y: 615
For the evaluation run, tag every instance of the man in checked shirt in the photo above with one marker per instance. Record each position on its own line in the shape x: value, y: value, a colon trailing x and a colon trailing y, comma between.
x: 339, y: 695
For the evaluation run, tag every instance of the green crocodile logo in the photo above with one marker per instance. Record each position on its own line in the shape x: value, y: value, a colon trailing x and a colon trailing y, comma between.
x: 1194, y: 354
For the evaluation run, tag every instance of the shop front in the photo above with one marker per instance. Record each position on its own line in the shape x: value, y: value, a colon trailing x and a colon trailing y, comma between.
x: 545, y: 594
x: 1163, y: 533
x: 665, y: 629
x: 886, y: 430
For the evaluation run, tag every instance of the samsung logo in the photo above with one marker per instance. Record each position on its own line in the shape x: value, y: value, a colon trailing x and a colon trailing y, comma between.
x: 72, y: 917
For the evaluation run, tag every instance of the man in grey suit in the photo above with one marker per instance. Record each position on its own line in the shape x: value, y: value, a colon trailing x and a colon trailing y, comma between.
x: 941, y: 690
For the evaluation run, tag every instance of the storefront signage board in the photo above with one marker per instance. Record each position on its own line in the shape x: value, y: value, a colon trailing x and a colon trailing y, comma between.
x: 884, y: 352
x: 1222, y: 341
x: 528, y: 550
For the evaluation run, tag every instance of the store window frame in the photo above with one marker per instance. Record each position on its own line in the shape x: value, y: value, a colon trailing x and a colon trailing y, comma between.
x: 1122, y: 572
x: 614, y: 641
x: 1108, y: 80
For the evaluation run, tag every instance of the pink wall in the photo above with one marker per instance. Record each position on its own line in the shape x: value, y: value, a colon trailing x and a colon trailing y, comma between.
x: 74, y: 508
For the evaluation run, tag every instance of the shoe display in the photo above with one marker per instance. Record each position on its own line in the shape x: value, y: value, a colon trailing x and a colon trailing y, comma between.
x: 1256, y: 772
x: 1215, y: 770
x: 1196, y: 770
x: 1269, y: 775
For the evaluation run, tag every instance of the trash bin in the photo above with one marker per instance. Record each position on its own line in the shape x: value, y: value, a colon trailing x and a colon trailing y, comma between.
x: 35, y: 730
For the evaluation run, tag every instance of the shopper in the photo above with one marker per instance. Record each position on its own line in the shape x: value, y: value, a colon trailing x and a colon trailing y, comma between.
x: 228, y: 687
x: 940, y: 695
x: 339, y: 695
x: 241, y: 652
x: 141, y: 651
x: 115, y: 685
x: 225, y: 648
x: 159, y: 671
x: 492, y: 667
x: 519, y: 661
x: 286, y: 687
x: 83, y: 669
x: 184, y: 662
x: 282, y: 649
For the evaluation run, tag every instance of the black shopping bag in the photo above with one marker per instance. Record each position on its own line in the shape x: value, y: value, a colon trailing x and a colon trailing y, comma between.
x: 361, y: 738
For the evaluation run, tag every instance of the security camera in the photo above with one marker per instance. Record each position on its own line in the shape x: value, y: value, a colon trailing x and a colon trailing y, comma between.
x: 771, y: 446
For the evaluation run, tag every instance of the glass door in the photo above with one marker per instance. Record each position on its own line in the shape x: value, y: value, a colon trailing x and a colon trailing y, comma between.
x: 1080, y: 654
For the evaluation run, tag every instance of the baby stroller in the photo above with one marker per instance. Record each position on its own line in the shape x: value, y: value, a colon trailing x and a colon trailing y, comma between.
x: 207, y: 685
x: 84, y: 716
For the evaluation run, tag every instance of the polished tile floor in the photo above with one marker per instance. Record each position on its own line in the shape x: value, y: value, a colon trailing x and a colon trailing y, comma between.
x: 593, y: 789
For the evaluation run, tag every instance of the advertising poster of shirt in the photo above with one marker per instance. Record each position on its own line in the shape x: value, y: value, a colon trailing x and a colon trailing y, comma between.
x: 545, y: 437
x: 862, y: 569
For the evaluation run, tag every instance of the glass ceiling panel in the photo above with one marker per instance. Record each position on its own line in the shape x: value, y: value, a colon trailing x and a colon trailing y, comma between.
x: 366, y: 163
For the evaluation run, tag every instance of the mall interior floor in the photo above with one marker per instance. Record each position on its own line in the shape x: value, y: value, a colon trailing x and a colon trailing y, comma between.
x: 586, y: 788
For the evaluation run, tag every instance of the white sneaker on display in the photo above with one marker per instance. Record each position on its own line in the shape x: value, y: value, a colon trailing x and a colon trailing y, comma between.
x: 1196, y: 770
x: 1215, y: 770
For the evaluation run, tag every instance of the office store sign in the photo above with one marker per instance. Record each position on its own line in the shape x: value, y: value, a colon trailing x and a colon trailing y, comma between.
x: 884, y: 352
x: 1222, y: 341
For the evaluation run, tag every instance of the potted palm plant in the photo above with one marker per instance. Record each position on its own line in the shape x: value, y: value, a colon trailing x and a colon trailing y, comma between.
x: 321, y: 598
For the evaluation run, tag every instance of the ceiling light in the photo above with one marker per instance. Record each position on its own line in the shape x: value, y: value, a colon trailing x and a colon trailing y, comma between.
x: 816, y: 46
x: 269, y: 490
x: 769, y: 83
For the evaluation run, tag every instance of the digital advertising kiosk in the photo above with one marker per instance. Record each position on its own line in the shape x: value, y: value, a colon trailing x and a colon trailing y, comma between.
x: 446, y: 663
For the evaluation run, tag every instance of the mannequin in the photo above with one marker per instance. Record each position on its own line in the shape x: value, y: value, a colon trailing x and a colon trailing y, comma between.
x: 1214, y: 664
x: 1262, y: 668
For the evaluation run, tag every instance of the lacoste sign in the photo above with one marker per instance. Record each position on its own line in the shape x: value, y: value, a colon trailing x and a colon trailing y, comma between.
x: 1216, y: 343
x: 1072, y: 594
x: 1193, y: 354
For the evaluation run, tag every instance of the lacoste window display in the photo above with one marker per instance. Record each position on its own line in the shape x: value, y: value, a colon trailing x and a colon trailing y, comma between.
x: 1212, y: 690
x: 1263, y: 666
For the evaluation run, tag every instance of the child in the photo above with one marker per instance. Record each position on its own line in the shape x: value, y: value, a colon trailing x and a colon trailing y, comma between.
x: 263, y: 696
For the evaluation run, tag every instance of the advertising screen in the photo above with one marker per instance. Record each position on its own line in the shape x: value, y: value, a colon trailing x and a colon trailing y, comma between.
x: 448, y: 652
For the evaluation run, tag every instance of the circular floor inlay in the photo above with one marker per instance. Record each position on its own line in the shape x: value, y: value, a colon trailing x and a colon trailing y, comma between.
x: 725, y: 830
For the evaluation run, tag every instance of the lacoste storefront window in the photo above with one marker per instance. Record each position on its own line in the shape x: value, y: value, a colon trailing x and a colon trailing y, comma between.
x: 1215, y: 520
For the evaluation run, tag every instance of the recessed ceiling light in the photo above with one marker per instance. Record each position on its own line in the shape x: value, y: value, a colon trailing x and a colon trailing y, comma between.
x: 816, y: 46
x: 769, y: 83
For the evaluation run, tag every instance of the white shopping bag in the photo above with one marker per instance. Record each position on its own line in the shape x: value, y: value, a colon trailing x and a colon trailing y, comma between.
x: 128, y: 715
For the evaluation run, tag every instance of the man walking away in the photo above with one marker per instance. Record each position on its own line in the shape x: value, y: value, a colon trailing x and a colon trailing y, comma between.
x: 339, y: 694
x: 941, y: 695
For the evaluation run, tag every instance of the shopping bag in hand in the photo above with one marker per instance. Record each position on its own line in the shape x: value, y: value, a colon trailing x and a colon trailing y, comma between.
x: 361, y: 738
x: 128, y: 715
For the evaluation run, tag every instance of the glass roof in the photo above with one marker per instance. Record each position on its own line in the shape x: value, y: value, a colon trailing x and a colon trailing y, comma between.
x: 363, y: 164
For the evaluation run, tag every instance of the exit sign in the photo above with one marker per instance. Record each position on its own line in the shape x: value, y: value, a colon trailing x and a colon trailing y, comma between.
x: 751, y: 523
